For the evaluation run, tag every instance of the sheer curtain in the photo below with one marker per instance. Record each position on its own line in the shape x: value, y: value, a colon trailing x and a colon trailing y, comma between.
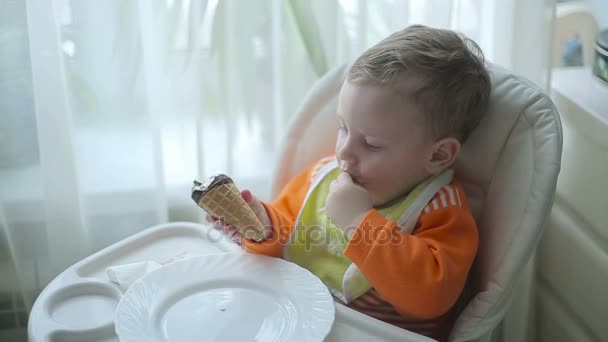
x: 109, y: 109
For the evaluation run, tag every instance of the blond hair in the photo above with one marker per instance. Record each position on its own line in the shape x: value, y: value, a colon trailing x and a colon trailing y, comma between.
x: 454, y: 83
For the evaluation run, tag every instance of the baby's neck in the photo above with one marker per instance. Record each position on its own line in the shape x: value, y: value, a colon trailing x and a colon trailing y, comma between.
x: 393, y: 201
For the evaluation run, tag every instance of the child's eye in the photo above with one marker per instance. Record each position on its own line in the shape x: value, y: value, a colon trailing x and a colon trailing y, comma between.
x: 372, y: 147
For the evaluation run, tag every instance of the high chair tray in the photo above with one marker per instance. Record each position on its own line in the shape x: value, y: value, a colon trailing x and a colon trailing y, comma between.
x: 80, y: 303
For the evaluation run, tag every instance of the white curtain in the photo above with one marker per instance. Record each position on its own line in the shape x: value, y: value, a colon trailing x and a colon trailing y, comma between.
x: 109, y: 109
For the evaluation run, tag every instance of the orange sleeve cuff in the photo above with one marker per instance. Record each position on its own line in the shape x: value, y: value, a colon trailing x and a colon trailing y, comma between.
x: 281, y: 229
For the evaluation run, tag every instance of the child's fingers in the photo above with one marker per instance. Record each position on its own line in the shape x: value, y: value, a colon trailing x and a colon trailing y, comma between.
x: 221, y: 223
x: 256, y: 206
x: 231, y: 230
x: 218, y: 223
x: 247, y: 195
x: 345, y: 177
x: 210, y: 218
x: 333, y: 186
x: 233, y: 233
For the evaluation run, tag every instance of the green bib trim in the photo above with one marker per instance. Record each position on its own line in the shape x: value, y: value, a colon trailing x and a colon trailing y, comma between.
x: 318, y: 245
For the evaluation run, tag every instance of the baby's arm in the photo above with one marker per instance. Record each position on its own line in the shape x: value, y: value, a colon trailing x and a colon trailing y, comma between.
x: 420, y: 274
x: 283, y: 214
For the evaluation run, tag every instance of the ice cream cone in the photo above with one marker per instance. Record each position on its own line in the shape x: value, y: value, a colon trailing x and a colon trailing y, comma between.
x: 221, y: 199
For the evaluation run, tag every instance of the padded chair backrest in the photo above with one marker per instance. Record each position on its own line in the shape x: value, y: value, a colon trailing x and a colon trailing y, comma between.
x: 508, y: 167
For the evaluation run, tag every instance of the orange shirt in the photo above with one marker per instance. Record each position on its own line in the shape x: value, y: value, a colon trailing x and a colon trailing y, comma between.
x: 418, y: 276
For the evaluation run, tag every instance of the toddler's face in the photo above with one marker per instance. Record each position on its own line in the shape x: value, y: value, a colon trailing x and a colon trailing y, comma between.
x: 382, y: 141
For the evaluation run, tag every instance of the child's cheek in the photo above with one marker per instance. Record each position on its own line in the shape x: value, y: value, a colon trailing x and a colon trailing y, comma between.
x: 339, y: 142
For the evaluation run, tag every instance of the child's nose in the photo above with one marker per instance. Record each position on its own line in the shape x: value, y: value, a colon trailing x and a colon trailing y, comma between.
x: 346, y: 154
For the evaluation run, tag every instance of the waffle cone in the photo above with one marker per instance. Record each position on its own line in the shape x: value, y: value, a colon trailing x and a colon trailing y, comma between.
x: 225, y: 202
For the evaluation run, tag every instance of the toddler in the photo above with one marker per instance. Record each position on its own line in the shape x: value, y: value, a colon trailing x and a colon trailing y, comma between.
x: 383, y: 223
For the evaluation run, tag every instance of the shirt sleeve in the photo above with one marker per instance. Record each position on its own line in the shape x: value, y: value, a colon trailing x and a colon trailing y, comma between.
x: 420, y: 274
x: 283, y: 213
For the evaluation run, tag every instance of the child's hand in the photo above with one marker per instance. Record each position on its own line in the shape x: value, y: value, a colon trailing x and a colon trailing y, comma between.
x: 259, y: 211
x: 230, y: 230
x: 347, y: 203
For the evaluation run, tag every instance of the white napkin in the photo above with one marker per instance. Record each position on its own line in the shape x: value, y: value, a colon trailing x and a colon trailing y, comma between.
x: 125, y: 275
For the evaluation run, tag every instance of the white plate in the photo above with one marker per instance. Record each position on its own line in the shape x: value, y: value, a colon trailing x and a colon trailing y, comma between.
x: 226, y: 297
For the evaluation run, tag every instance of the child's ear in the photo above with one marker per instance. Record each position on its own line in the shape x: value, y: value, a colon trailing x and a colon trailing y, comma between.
x: 443, y: 154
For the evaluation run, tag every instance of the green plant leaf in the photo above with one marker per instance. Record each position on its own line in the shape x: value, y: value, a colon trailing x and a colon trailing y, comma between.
x: 173, y: 15
x: 210, y: 100
x: 124, y: 18
x: 127, y: 43
x: 82, y: 91
x: 249, y: 20
x: 302, y: 16
x: 218, y: 55
x: 196, y: 15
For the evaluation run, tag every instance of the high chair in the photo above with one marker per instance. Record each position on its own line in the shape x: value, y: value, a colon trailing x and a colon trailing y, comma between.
x: 508, y: 167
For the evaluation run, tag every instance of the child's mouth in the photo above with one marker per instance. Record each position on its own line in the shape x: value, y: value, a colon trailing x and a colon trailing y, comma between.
x: 354, y: 177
